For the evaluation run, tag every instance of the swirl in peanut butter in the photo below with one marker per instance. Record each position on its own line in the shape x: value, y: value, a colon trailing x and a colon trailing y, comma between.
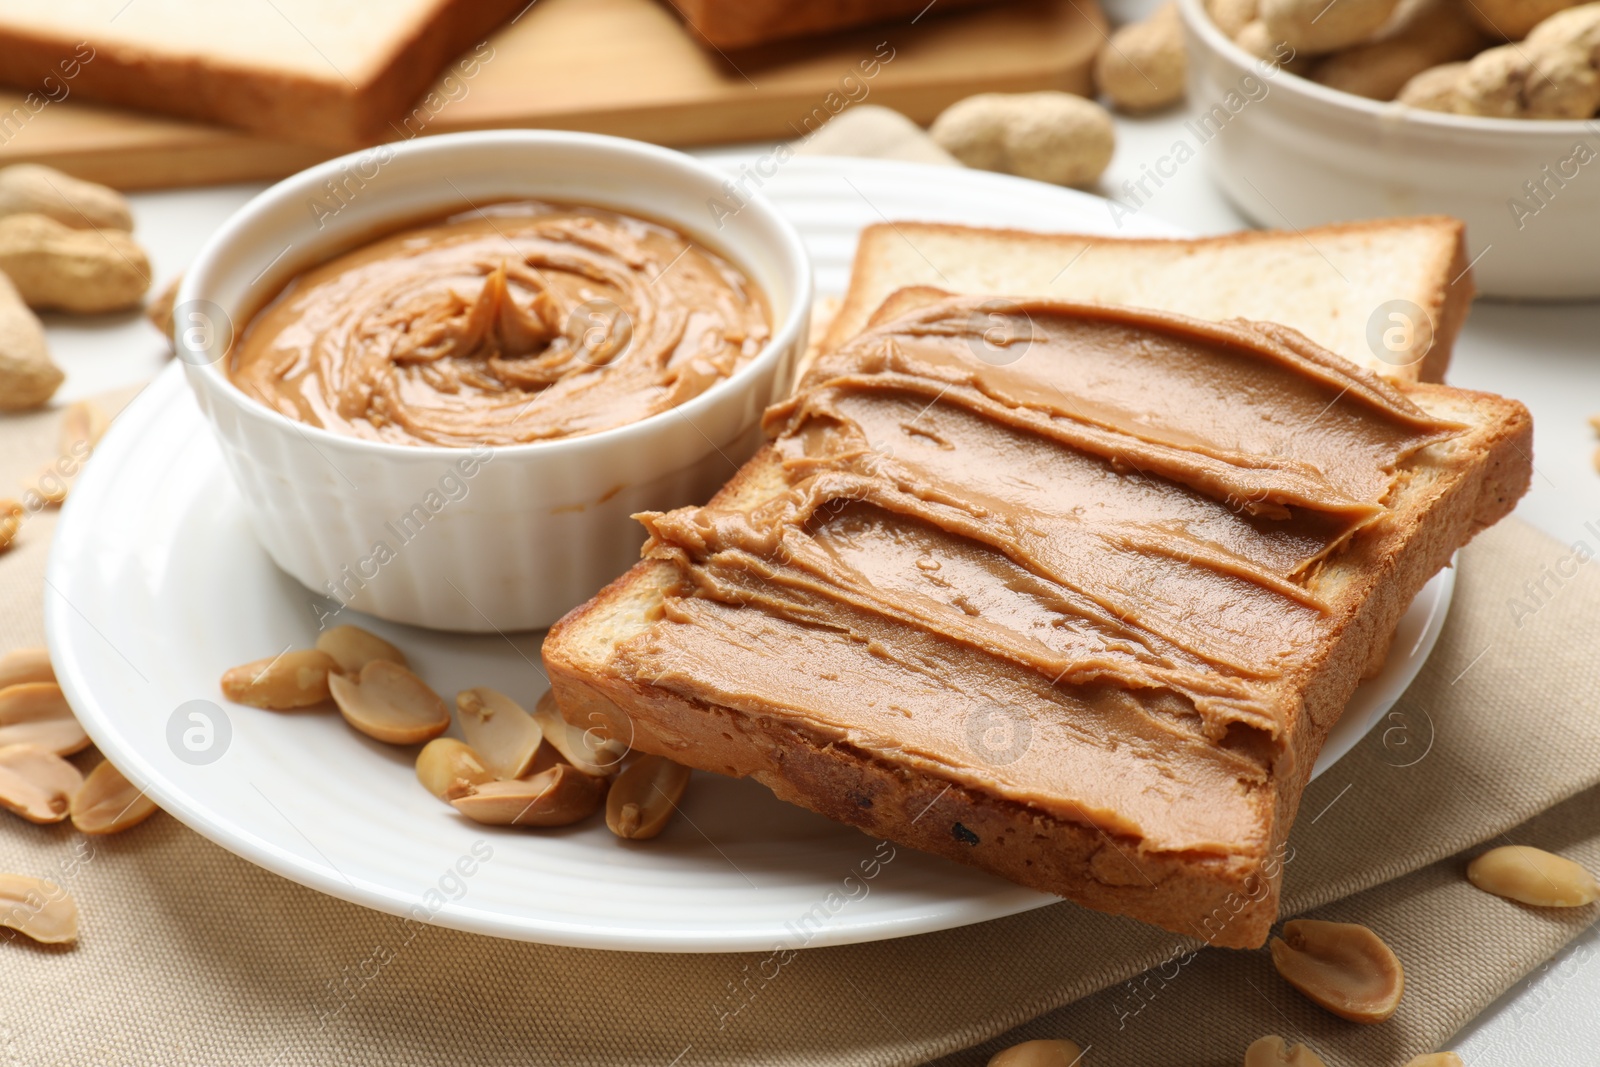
x: 523, y: 322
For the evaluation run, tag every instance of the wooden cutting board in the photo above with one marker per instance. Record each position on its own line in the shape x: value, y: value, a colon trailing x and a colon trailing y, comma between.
x: 625, y: 67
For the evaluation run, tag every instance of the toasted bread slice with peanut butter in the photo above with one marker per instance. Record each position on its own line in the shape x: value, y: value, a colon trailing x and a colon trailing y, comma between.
x: 934, y: 539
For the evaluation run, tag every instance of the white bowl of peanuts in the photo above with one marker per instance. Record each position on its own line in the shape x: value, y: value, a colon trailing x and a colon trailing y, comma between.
x: 1314, y: 112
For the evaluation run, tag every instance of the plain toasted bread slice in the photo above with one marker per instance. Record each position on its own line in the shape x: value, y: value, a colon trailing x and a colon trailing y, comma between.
x: 1335, y: 284
x: 1441, y: 496
x: 328, y: 72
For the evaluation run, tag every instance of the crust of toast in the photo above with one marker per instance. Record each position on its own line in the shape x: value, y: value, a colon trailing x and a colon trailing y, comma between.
x: 1446, y: 494
x: 1440, y: 282
x: 336, y: 111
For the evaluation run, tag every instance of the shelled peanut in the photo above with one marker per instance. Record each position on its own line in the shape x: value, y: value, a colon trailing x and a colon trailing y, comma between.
x: 38, y: 732
x: 510, y: 767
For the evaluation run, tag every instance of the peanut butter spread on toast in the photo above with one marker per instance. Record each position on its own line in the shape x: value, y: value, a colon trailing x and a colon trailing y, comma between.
x: 1057, y: 553
x: 521, y: 322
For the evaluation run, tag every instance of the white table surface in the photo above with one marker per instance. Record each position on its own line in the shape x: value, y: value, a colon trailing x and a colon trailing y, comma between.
x: 1548, y: 356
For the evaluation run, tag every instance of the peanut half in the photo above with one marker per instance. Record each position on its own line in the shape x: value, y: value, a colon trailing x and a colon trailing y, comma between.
x: 48, y: 487
x: 556, y: 797
x: 1038, y: 1054
x: 82, y: 426
x: 644, y: 796
x: 38, y: 908
x: 390, y: 704
x: 26, y: 665
x: 1533, y: 876
x: 1274, y: 1051
x: 584, y: 749
x: 444, y: 761
x: 37, y: 713
x: 107, y: 803
x: 353, y: 648
x: 499, y: 731
x: 296, y: 679
x: 36, y: 783
x: 1344, y: 967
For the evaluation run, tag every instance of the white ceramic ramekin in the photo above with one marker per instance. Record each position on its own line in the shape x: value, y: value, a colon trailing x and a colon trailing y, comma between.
x: 506, y: 538
x: 1290, y: 152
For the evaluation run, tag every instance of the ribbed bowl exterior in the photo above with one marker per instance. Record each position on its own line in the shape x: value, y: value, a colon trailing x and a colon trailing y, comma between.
x: 485, y: 539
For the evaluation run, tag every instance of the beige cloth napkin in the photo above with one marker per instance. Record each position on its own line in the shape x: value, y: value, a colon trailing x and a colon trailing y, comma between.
x: 189, y: 955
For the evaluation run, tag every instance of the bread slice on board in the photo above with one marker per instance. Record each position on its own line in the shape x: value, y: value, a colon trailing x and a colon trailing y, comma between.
x: 1339, y: 285
x: 327, y: 72
x: 745, y: 23
x: 855, y: 661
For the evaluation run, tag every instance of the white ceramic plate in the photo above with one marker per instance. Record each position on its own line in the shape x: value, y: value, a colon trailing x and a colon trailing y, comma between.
x: 156, y: 586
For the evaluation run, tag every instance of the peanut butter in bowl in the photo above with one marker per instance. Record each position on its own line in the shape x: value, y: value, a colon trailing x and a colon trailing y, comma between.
x: 526, y: 321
